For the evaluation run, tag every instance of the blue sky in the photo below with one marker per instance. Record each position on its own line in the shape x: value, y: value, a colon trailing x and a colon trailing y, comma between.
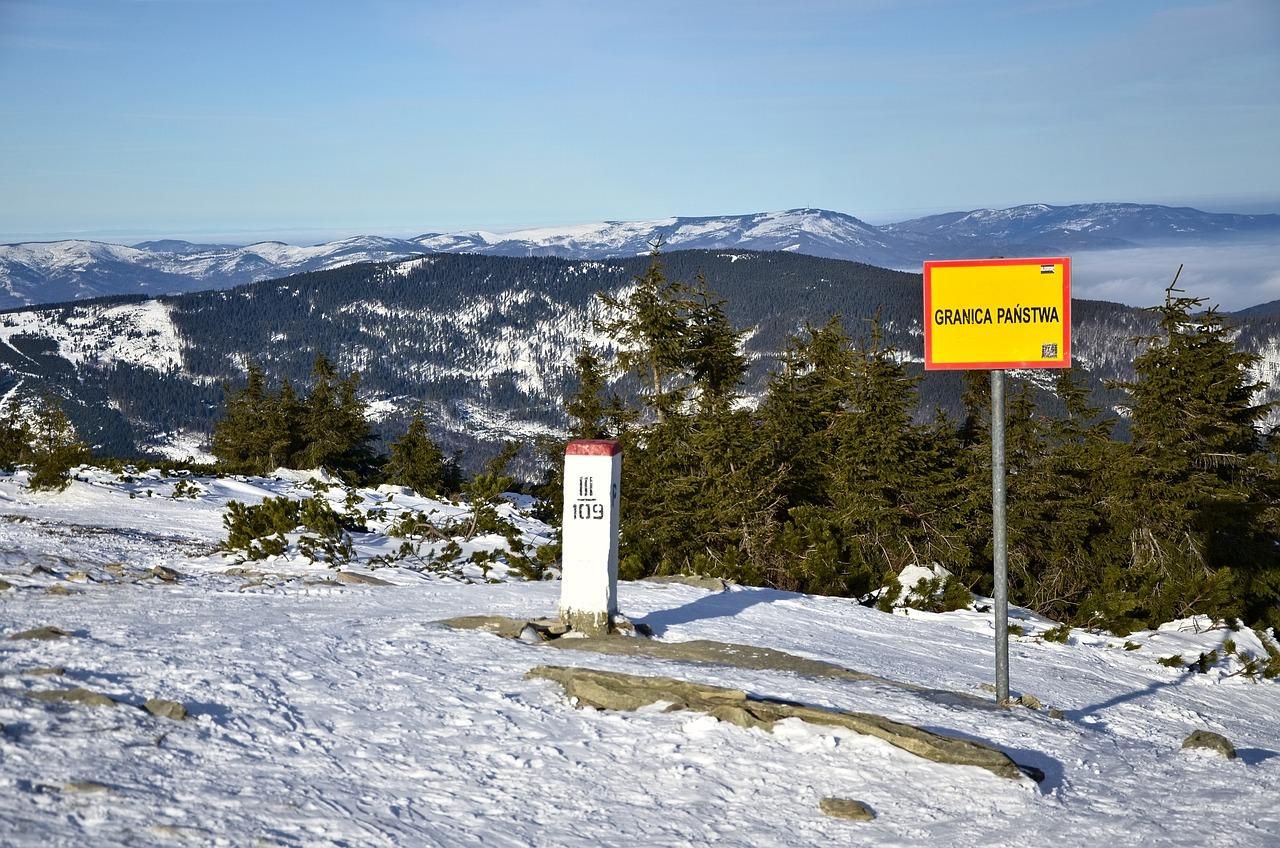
x: 306, y: 119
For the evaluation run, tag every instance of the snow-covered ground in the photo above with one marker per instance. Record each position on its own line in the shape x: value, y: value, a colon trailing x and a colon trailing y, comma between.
x: 325, y: 713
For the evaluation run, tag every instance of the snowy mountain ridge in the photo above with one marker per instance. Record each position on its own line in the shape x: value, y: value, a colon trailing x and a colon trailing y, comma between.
x: 51, y: 272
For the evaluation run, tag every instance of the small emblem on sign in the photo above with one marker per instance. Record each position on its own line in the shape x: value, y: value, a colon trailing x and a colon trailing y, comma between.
x: 1048, y: 351
x: 1046, y: 269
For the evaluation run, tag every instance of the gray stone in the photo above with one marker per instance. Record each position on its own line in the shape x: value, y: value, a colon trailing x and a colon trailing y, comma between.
x: 85, y: 787
x: 616, y: 691
x: 355, y: 578
x: 165, y: 709
x: 168, y: 575
x: 41, y: 633
x: 78, y: 695
x: 1211, y: 741
x: 44, y: 671
x: 698, y: 581
x: 58, y: 589
x: 507, y: 628
x: 1054, y: 712
x: 589, y: 623
x: 846, y: 808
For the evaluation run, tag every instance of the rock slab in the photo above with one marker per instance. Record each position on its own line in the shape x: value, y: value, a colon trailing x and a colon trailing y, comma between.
x: 608, y: 690
x: 44, y: 634
x: 355, y: 578
x: 698, y: 581
x: 78, y: 695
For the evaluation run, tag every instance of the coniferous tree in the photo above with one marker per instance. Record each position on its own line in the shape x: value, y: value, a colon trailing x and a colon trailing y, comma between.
x: 416, y: 461
x: 55, y: 447
x: 483, y: 492
x: 712, y: 351
x: 322, y: 421
x: 896, y: 496
x: 357, y: 458
x: 284, y: 427
x: 1196, y: 483
x: 335, y: 431
x: 813, y: 385
x: 15, y: 437
x: 650, y: 327
x: 588, y: 408
x: 240, y: 441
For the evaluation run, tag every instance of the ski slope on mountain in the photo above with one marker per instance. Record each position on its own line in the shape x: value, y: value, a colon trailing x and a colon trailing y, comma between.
x: 328, y: 713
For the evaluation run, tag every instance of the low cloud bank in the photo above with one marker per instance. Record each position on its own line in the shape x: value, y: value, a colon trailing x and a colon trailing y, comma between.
x: 1232, y: 276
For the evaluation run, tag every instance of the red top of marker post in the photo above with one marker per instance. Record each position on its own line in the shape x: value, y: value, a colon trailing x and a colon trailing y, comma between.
x: 593, y: 447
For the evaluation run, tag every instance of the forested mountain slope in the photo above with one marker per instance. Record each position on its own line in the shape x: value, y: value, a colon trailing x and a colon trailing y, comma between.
x: 484, y: 344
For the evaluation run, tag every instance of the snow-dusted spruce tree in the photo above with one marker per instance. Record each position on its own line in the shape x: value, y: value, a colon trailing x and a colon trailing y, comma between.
x: 893, y: 491
x: 335, y: 432
x: 649, y: 327
x: 483, y: 494
x: 15, y: 437
x: 240, y: 441
x: 55, y: 447
x: 1060, y: 475
x: 1196, y: 489
x: 812, y: 385
x: 699, y: 493
x: 1057, y: 468
x: 416, y: 461
x: 260, y: 431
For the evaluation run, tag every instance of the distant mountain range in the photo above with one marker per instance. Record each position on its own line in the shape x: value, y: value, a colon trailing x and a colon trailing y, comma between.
x: 58, y: 271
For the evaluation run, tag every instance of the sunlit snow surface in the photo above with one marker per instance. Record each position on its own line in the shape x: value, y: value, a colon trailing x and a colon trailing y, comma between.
x: 327, y: 714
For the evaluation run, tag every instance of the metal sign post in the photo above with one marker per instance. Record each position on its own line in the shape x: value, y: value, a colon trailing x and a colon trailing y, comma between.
x: 995, y: 314
x: 1000, y: 530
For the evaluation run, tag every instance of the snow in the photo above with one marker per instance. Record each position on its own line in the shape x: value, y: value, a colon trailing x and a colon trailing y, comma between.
x: 135, y: 333
x: 181, y: 446
x: 331, y: 714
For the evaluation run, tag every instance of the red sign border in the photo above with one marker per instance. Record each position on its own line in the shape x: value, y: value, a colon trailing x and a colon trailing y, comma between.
x: 929, y: 265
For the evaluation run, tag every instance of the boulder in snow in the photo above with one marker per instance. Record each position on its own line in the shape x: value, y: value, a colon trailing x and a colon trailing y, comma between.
x: 165, y: 709
x: 846, y: 808
x: 1210, y: 741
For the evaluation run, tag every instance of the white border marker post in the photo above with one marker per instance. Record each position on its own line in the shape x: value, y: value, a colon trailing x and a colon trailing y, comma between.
x: 589, y: 538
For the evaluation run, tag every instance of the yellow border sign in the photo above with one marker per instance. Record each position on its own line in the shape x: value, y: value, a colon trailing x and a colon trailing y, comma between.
x: 997, y: 313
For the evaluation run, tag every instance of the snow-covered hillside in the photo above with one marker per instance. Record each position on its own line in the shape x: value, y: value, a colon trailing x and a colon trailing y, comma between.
x: 49, y: 272
x: 340, y: 713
